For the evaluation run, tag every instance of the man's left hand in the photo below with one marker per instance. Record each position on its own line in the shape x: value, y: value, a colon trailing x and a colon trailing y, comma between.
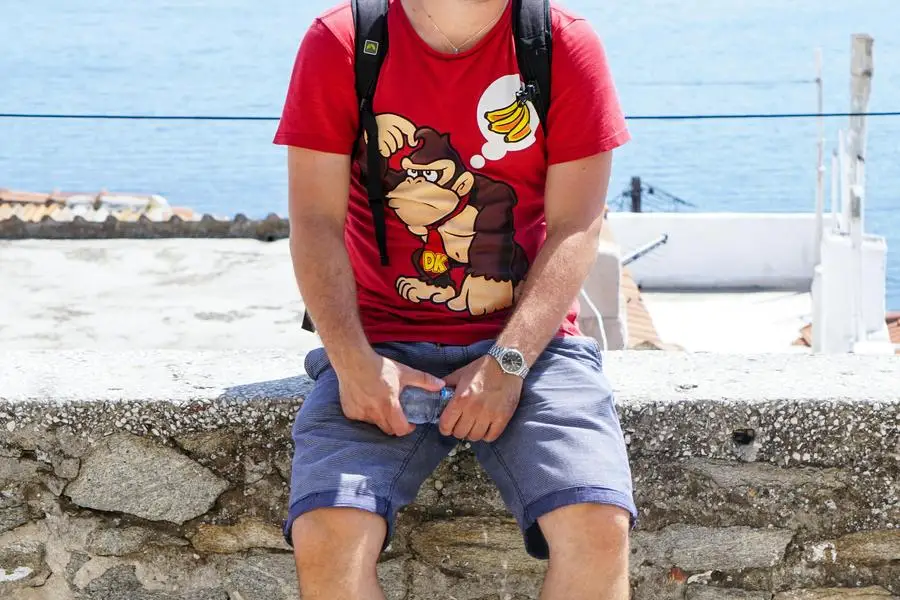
x: 485, y: 400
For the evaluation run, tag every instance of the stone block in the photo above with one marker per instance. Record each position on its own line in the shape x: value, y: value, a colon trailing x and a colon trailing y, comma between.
x: 695, y: 548
x: 13, y: 517
x: 867, y: 593
x: 119, y: 582
x: 703, y: 592
x: 244, y: 535
x: 22, y: 565
x: 115, y: 541
x: 393, y: 579
x: 430, y: 583
x: 648, y: 583
x: 20, y: 471
x: 265, y: 500
x: 67, y: 468
x: 730, y: 474
x: 461, y: 486
x: 218, y: 450
x: 474, y: 545
x: 262, y: 577
x: 135, y: 475
x: 868, y: 547
x: 55, y: 588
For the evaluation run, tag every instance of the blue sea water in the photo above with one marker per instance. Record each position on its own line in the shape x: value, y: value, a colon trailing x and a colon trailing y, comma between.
x: 234, y: 57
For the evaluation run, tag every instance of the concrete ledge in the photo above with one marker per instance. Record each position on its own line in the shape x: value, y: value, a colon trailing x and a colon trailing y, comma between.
x: 164, y: 475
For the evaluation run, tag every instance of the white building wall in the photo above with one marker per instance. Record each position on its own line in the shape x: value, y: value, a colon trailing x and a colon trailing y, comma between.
x: 721, y: 250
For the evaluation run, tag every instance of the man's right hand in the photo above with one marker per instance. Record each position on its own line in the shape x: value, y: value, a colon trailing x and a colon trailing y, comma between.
x: 371, y: 394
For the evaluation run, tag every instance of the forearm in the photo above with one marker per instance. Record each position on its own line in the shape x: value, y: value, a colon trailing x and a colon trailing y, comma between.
x: 325, y: 279
x: 554, y: 281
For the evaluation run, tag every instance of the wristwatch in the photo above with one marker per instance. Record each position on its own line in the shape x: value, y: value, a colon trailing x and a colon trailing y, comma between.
x: 510, y: 360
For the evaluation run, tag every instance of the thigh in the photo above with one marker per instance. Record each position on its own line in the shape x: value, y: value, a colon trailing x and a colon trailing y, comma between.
x: 343, y: 463
x: 564, y: 445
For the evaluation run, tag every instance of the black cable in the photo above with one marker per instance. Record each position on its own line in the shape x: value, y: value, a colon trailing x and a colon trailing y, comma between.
x: 747, y: 83
x: 98, y: 117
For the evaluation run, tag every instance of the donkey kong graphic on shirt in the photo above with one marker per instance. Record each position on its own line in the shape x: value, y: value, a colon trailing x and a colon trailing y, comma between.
x: 468, y: 258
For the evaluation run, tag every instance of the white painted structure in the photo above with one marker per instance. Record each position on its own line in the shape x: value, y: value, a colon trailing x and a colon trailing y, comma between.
x: 720, y: 250
x: 838, y: 325
x: 842, y: 267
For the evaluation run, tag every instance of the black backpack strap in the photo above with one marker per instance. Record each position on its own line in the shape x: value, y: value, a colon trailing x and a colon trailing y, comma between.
x: 534, y: 51
x: 370, y: 18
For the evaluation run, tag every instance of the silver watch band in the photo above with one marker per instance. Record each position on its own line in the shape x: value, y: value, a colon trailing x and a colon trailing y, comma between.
x: 511, y: 360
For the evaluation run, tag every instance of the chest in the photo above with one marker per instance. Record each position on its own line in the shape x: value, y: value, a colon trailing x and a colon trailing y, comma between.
x: 472, y: 100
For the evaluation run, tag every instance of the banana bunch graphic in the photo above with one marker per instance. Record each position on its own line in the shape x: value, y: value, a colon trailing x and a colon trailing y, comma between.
x: 513, y: 121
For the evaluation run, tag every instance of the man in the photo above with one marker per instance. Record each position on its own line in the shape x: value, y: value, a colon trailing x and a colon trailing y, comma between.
x: 491, y: 228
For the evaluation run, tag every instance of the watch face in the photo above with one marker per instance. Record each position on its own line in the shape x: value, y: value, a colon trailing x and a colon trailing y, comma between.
x: 512, y: 361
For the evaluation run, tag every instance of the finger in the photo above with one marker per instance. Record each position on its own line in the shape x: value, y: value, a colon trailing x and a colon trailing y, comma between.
x: 449, y: 417
x: 464, y: 426
x: 495, y: 430
x: 400, y: 425
x: 453, y: 379
x: 384, y: 148
x: 492, y: 434
x: 421, y: 379
x: 383, y: 424
x: 479, y: 430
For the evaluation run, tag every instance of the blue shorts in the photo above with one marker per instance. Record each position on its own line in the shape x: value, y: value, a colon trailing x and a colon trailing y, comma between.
x: 564, y: 444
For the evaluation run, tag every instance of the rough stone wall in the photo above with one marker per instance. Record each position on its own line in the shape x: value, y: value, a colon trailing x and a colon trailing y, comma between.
x: 269, y: 229
x: 163, y: 476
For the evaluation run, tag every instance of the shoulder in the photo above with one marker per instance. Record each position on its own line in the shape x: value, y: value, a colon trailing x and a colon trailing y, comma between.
x: 562, y: 16
x: 336, y: 24
x: 570, y: 29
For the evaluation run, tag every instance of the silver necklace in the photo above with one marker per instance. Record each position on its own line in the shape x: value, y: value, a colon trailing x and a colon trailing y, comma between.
x: 458, y: 49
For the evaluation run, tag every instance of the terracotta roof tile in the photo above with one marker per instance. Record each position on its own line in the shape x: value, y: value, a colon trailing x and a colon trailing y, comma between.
x: 893, y: 320
x: 642, y: 332
x: 65, y: 206
x: 893, y: 324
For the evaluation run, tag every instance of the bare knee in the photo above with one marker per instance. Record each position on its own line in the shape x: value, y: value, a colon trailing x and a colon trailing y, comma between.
x: 336, y: 540
x: 584, y: 535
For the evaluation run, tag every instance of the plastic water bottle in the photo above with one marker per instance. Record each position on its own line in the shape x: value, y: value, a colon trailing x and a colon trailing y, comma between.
x: 422, y: 406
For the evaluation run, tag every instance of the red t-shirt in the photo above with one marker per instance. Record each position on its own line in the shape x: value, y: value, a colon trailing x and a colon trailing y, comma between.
x: 465, y: 185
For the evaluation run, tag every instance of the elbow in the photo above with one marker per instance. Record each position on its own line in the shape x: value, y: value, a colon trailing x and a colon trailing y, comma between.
x: 587, y: 230
x: 595, y: 229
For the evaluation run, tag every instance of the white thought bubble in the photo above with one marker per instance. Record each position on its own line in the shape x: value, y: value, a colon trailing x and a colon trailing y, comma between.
x: 499, y: 95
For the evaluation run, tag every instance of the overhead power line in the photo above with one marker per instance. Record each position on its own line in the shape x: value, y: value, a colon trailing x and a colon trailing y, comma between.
x: 720, y: 83
x: 685, y: 117
x: 807, y: 115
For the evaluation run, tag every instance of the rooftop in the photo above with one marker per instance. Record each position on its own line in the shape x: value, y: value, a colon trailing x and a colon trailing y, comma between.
x: 33, y: 207
x: 731, y: 321
x: 170, y: 294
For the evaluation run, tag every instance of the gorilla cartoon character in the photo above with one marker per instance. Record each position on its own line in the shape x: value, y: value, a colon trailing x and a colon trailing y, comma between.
x: 464, y: 219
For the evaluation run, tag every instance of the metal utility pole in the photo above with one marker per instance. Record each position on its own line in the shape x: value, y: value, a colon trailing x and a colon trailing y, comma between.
x: 636, y: 194
x: 820, y: 166
x: 861, y: 69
